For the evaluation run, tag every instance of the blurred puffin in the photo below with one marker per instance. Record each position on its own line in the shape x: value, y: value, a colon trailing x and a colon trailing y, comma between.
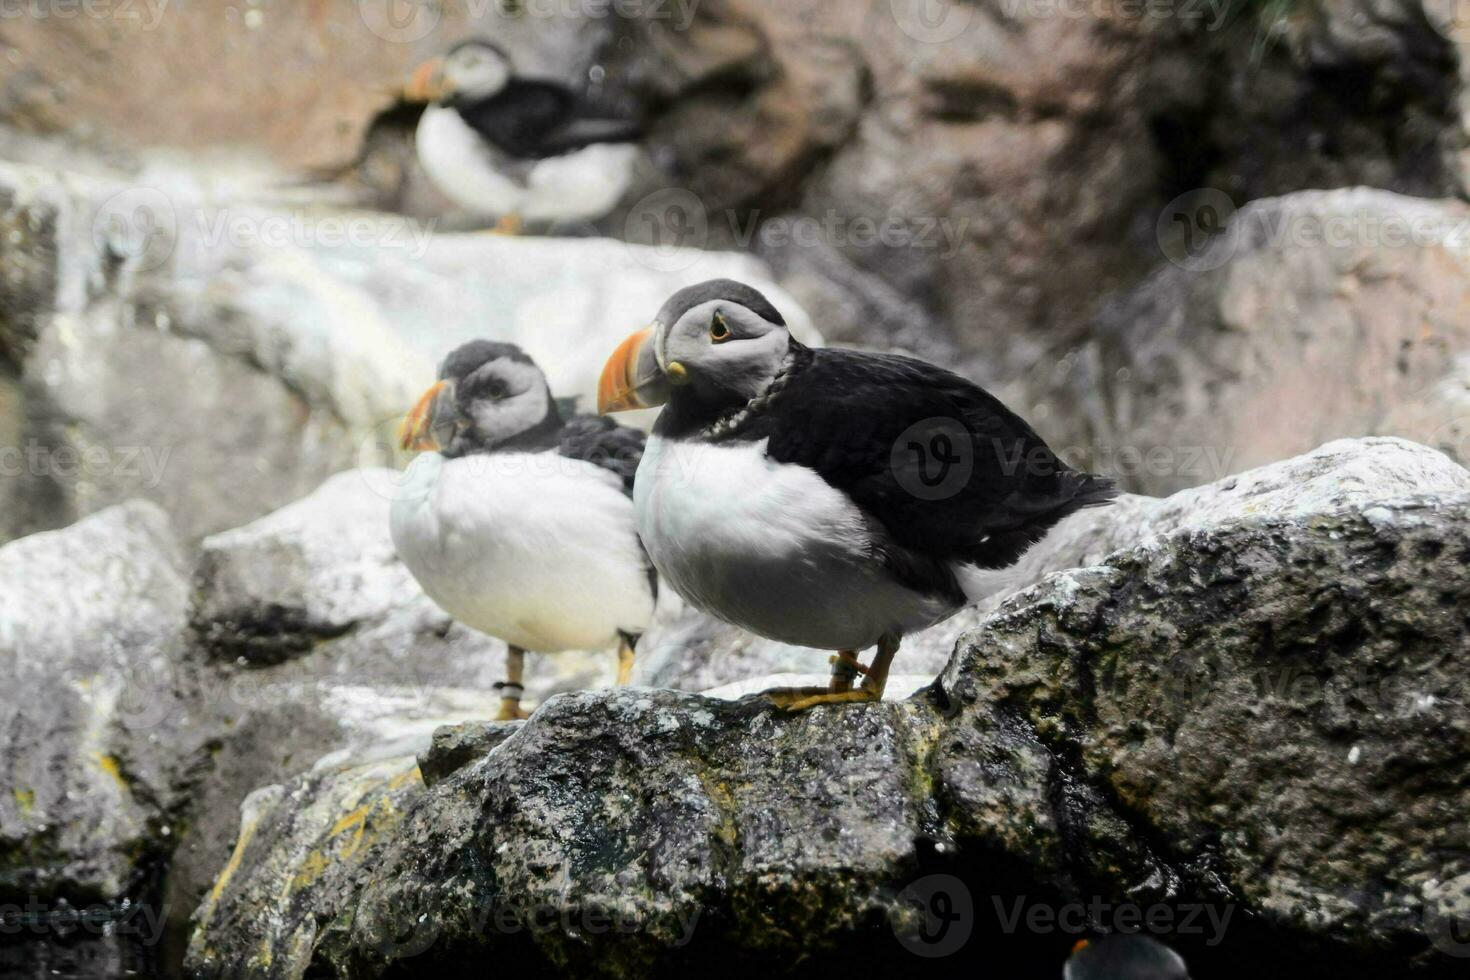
x: 517, y: 149
x: 518, y: 523
x: 826, y: 498
x: 1124, y: 956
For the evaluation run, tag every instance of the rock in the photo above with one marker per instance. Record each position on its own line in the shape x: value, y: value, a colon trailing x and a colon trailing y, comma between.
x: 99, y: 718
x: 455, y: 746
x: 1246, y: 709
x: 1291, y: 731
x: 150, y: 355
x: 1318, y: 315
x: 1054, y: 144
x: 338, y: 67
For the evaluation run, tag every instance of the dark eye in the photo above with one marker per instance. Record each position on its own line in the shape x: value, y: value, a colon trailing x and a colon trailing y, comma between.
x: 719, y: 330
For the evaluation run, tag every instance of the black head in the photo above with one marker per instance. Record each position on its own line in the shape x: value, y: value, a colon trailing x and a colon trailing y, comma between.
x: 1125, y: 956
x: 468, y: 72
x: 489, y: 396
x: 719, y: 343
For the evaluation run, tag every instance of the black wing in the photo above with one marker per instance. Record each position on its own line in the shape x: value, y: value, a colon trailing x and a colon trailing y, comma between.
x: 949, y: 471
x: 602, y: 441
x: 533, y: 118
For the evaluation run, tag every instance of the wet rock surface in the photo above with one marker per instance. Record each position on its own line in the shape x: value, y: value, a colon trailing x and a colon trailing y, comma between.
x: 99, y: 717
x: 1241, y: 710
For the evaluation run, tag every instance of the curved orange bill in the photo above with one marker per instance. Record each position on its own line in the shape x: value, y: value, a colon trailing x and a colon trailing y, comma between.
x: 426, y: 84
x: 416, y: 432
x: 632, y: 378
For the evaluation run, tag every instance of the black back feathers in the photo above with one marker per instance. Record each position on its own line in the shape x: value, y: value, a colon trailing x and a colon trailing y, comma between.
x: 535, y: 118
x: 601, y: 441
x: 880, y: 427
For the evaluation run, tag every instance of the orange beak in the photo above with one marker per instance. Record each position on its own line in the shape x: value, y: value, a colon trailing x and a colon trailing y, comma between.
x: 416, y: 433
x: 632, y: 378
x: 426, y: 84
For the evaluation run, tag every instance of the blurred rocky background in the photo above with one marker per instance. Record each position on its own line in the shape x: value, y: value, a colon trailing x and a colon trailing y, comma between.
x: 1217, y: 248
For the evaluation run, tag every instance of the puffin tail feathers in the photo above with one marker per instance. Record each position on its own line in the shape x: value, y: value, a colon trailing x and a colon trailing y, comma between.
x: 1093, y: 490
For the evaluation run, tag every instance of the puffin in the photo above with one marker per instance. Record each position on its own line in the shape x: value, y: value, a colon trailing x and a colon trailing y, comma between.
x: 826, y: 498
x: 517, y: 149
x: 1124, y: 956
x: 518, y: 522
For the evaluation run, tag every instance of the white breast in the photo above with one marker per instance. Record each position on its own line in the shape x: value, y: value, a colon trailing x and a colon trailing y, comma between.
x: 534, y: 548
x: 770, y: 547
x: 580, y: 186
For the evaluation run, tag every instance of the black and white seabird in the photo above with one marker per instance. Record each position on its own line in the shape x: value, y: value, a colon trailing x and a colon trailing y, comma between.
x: 517, y: 149
x: 826, y: 498
x: 519, y: 523
x: 1124, y: 956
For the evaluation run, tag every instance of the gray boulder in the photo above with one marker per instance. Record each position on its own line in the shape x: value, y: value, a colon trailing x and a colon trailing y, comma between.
x: 147, y: 353
x: 1317, y: 315
x: 99, y: 718
x: 1244, y: 709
